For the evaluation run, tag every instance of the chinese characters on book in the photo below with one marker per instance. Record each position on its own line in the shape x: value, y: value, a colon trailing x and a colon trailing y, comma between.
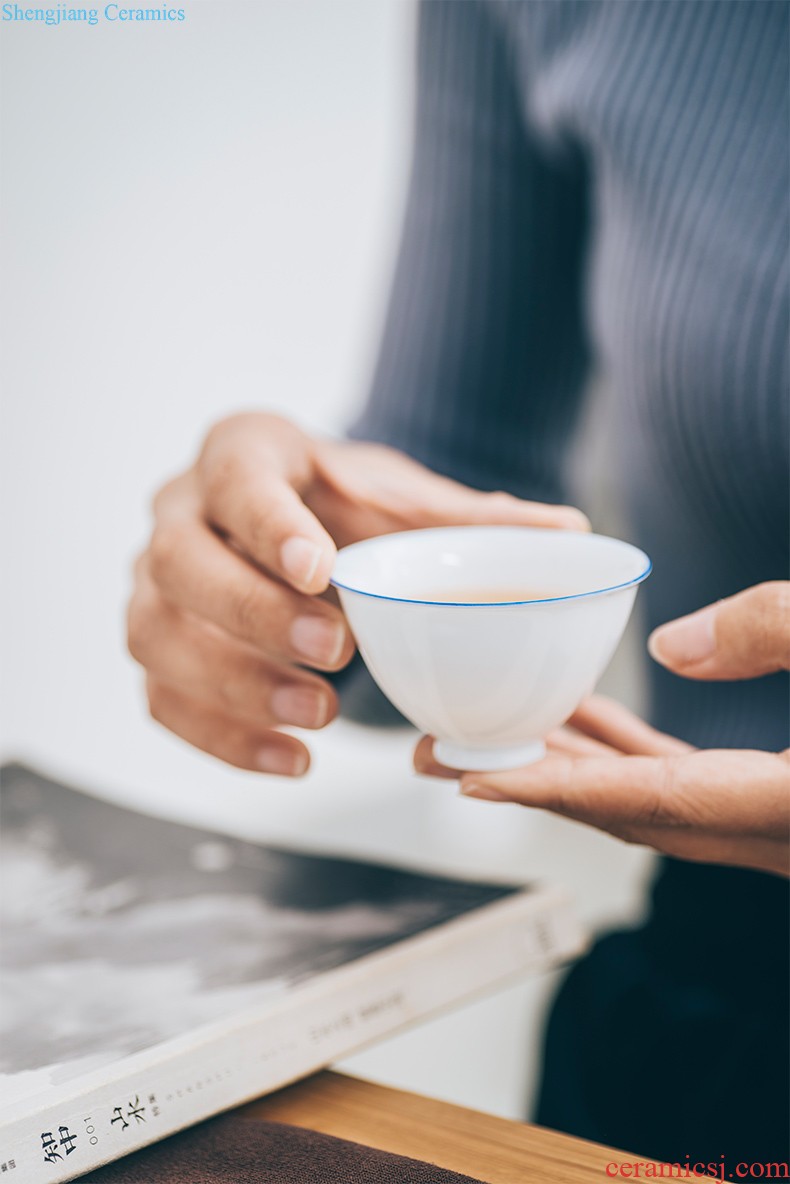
x: 62, y: 1142
x: 53, y: 1148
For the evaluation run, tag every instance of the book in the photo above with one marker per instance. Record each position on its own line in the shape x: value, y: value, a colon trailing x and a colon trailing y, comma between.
x: 155, y: 974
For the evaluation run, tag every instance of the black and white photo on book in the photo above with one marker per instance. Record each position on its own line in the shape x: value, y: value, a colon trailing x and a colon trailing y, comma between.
x: 155, y: 974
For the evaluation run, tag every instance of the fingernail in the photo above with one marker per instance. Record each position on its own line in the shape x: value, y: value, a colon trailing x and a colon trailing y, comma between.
x: 303, y: 706
x: 300, y: 559
x: 318, y: 639
x: 282, y: 762
x: 685, y: 641
x: 484, y: 793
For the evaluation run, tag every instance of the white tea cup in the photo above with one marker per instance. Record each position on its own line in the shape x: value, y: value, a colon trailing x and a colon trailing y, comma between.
x: 488, y: 637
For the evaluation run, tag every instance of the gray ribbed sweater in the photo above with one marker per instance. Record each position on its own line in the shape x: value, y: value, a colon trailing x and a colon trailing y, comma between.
x: 609, y: 180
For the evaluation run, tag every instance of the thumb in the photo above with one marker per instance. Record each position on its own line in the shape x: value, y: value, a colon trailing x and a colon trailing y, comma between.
x: 743, y: 636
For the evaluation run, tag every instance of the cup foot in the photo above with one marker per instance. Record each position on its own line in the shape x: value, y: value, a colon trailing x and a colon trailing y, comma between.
x: 487, y: 760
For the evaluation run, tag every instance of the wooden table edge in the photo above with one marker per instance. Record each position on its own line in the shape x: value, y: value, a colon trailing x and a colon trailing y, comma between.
x: 485, y: 1146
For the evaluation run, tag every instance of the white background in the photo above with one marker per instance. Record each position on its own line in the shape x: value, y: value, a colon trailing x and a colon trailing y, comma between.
x: 201, y: 217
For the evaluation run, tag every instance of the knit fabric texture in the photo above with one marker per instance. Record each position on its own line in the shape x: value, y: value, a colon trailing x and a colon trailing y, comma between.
x: 247, y: 1151
x: 607, y: 183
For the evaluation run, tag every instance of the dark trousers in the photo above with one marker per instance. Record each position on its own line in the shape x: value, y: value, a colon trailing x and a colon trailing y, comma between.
x: 672, y: 1041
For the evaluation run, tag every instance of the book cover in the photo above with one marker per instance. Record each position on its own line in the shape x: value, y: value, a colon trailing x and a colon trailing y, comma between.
x: 154, y: 974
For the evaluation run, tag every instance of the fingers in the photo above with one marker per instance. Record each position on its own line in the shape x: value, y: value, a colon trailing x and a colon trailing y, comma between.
x: 716, y: 806
x: 607, y: 721
x: 602, y: 791
x: 568, y: 742
x: 382, y: 490
x: 220, y: 673
x: 227, y: 607
x: 745, y: 636
x: 197, y: 573
x: 254, y: 472
x: 729, y: 792
x: 454, y: 504
x: 251, y: 472
x: 257, y: 749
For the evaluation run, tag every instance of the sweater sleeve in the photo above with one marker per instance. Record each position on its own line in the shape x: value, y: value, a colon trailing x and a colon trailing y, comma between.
x: 483, y: 355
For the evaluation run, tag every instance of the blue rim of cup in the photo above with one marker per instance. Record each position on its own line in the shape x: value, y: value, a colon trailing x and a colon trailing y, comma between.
x: 499, y: 603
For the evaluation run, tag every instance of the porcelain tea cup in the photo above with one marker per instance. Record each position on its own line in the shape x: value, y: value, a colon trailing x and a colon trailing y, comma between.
x: 488, y: 678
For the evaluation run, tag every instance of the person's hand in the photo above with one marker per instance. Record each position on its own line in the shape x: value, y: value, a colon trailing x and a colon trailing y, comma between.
x: 609, y: 769
x: 230, y: 614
